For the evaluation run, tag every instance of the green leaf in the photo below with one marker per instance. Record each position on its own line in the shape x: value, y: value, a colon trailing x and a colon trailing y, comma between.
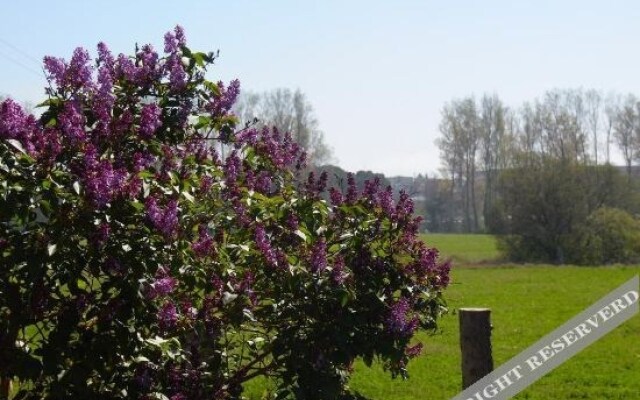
x: 51, y: 249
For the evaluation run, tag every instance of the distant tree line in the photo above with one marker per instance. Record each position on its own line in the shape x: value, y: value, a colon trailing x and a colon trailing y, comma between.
x: 536, y: 174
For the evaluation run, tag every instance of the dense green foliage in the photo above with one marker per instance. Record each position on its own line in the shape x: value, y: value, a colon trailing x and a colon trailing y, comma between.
x: 608, y: 236
x: 545, y: 203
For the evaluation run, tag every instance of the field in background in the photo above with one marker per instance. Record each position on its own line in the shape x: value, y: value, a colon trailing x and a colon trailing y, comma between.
x: 465, y: 248
x: 527, y: 303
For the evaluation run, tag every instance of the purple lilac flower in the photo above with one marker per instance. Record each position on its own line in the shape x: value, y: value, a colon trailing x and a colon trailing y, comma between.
x: 247, y: 136
x: 16, y: 124
x: 104, y: 98
x: 177, y: 75
x: 148, y: 70
x: 222, y: 104
x: 163, y: 284
x: 79, y: 71
x: 168, y: 315
x: 105, y: 58
x: 405, y: 205
x: 178, y: 396
x: 232, y: 168
x: 338, y: 274
x: 370, y: 191
x: 264, y: 245
x: 397, y: 321
x: 336, y: 197
x: 173, y: 40
x: 72, y: 122
x: 101, y: 180
x: 292, y: 221
x: 56, y: 69
x: 166, y: 221
x: 205, y: 184
x: 125, y: 68
x: 204, y: 245
x: 385, y: 199
x: 263, y: 183
x: 150, y: 120
x: 319, y: 256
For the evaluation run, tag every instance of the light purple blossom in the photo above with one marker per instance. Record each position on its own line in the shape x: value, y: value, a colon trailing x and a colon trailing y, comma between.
x: 173, y: 40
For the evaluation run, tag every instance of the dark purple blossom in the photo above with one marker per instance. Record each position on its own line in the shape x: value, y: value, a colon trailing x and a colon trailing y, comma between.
x: 56, y: 69
x: 102, y: 181
x: 263, y: 183
x: 264, y: 245
x: 168, y: 315
x: 398, y: 322
x: 222, y: 104
x: 165, y: 220
x: 204, y: 245
x: 72, y: 122
x: 163, y: 284
x: 336, y: 197
x: 319, y: 256
x: 338, y: 274
x: 150, y: 120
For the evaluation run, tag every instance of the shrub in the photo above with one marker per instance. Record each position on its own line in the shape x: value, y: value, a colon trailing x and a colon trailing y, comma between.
x: 151, y: 249
x: 608, y: 236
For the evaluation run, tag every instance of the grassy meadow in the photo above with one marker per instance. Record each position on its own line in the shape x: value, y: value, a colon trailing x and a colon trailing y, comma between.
x: 526, y: 303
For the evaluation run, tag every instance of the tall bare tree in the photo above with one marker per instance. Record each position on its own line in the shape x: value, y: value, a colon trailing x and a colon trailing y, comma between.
x: 289, y: 111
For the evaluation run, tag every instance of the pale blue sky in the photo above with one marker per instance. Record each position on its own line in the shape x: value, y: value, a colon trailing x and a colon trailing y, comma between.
x: 377, y: 72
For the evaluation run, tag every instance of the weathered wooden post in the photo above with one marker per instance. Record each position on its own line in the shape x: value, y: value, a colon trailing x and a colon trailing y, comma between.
x: 475, y: 344
x: 5, y: 388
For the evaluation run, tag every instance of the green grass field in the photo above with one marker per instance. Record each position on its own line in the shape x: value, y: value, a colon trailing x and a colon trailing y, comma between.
x: 464, y: 249
x: 526, y: 303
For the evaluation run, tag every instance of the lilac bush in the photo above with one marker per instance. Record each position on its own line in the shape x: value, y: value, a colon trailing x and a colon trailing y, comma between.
x: 138, y: 260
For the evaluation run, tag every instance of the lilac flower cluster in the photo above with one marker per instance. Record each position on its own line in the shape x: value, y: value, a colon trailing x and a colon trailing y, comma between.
x: 398, y: 321
x: 166, y: 221
x: 318, y: 259
x: 163, y: 284
x: 102, y: 181
x: 264, y: 245
x: 204, y: 245
x: 75, y: 75
x: 16, y: 124
x: 221, y: 105
x: 167, y: 315
x: 338, y: 273
x: 282, y: 152
x: 150, y: 120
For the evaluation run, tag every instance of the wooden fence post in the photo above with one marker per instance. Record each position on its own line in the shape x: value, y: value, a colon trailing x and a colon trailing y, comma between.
x: 475, y: 344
